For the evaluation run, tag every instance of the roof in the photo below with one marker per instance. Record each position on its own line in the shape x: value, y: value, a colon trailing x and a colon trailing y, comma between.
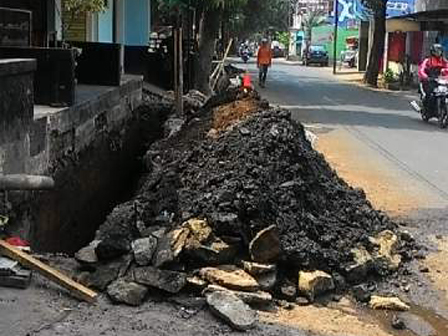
x: 434, y: 15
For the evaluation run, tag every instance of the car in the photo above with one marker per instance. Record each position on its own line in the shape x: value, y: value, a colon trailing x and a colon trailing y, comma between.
x: 316, y: 54
x: 278, y: 49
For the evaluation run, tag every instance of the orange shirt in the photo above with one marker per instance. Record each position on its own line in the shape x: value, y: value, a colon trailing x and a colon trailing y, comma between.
x: 264, y: 56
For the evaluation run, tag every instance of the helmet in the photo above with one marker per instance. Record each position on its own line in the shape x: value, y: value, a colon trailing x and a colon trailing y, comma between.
x: 264, y: 40
x: 437, y: 50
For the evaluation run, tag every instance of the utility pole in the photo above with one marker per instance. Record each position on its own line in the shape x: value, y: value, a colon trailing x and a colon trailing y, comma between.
x: 335, y: 35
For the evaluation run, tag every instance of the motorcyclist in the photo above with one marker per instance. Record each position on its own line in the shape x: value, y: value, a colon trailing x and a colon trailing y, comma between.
x: 429, y: 70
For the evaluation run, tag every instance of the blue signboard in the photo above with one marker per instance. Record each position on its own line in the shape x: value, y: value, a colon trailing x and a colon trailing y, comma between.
x: 400, y: 7
x: 353, y: 10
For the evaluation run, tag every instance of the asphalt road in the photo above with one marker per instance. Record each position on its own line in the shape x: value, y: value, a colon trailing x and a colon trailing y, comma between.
x: 383, y: 122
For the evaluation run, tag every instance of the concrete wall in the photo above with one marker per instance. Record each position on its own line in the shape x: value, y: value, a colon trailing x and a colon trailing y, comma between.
x: 92, y: 151
x: 105, y: 24
x: 16, y: 113
x: 137, y: 22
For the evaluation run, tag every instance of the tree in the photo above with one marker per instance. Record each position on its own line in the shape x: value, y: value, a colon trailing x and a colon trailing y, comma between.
x: 313, y: 18
x: 378, y: 10
x: 71, y: 9
x: 210, y: 12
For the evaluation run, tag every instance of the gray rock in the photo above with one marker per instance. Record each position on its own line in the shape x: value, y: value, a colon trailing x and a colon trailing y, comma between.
x: 169, y: 281
x: 87, y: 255
x: 288, y: 290
x: 196, y: 283
x: 164, y: 254
x: 265, y: 247
x: 218, y: 252
x: 397, y: 323
x: 231, y: 277
x: 232, y: 310
x: 315, y: 283
x: 123, y: 291
x: 362, y: 264
x: 267, y: 281
x: 112, y: 247
x: 144, y: 249
x: 105, y: 274
x: 247, y: 297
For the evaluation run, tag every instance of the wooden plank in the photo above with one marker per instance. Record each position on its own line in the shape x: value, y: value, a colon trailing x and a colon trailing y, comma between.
x: 25, y: 182
x: 221, y: 66
x: 50, y: 273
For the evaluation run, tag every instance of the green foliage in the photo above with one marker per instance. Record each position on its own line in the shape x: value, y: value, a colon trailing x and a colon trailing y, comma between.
x: 283, y: 38
x: 389, y: 76
x: 83, y: 6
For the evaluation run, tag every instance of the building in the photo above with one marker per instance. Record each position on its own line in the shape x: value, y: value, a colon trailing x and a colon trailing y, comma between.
x: 411, y: 34
x: 127, y: 22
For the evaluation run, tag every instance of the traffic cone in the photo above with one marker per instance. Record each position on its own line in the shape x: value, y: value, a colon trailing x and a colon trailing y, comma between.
x: 247, y: 81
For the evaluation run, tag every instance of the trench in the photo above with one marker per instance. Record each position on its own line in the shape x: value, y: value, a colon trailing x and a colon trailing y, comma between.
x: 90, y: 184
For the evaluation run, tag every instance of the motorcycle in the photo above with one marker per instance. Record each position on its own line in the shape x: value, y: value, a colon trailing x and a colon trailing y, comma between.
x: 439, y: 109
x: 245, y: 56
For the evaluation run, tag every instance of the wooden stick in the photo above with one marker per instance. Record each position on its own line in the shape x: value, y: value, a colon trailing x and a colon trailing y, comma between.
x: 221, y: 66
x: 25, y: 182
x: 26, y: 260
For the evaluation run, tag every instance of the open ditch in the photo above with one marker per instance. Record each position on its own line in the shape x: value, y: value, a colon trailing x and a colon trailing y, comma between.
x: 229, y: 202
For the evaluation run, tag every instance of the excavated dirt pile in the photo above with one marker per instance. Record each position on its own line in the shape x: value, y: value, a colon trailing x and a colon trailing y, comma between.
x: 254, y: 198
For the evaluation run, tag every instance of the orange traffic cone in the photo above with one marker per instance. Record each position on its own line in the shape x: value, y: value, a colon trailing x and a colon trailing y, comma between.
x: 247, y: 81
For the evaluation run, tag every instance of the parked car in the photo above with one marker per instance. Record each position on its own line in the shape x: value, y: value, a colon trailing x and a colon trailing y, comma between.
x: 316, y: 54
x: 278, y: 50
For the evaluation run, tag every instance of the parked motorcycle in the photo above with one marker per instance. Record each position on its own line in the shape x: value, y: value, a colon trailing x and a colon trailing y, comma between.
x: 439, y: 109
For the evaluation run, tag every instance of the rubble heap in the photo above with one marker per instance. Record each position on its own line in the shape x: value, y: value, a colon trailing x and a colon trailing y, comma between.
x: 252, y: 211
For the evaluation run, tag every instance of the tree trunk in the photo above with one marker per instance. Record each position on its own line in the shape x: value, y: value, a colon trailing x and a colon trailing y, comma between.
x: 209, y: 32
x: 377, y: 50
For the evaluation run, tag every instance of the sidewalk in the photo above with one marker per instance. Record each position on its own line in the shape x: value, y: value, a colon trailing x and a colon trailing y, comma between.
x: 356, y: 77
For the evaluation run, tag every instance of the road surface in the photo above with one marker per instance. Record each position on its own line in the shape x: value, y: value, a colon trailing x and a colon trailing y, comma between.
x: 388, y: 132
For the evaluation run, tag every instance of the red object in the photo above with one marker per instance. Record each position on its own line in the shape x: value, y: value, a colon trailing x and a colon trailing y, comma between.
x: 397, y: 47
x: 16, y: 241
x: 431, y: 63
x: 247, y: 82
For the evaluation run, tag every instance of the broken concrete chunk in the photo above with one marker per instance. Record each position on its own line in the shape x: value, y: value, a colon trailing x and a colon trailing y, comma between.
x: 169, y: 281
x: 254, y: 268
x: 388, y: 303
x: 196, y: 283
x: 361, y: 266
x: 315, y: 283
x: 231, y: 277
x: 258, y: 297
x: 267, y: 281
x: 288, y: 290
x: 128, y: 292
x: 105, y: 274
x: 87, y: 255
x: 265, y: 247
x: 218, y: 252
x: 200, y: 231
x: 232, y: 310
x: 144, y: 249
x: 164, y: 254
x: 387, y: 242
x: 7, y: 266
x: 112, y: 247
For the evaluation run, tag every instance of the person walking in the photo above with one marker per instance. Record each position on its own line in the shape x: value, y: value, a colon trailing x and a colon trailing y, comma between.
x: 264, y: 61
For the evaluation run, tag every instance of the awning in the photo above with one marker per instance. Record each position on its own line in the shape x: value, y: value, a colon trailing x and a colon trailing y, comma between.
x: 434, y: 15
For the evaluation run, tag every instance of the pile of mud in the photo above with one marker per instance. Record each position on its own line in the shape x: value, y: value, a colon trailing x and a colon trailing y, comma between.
x: 256, y: 192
